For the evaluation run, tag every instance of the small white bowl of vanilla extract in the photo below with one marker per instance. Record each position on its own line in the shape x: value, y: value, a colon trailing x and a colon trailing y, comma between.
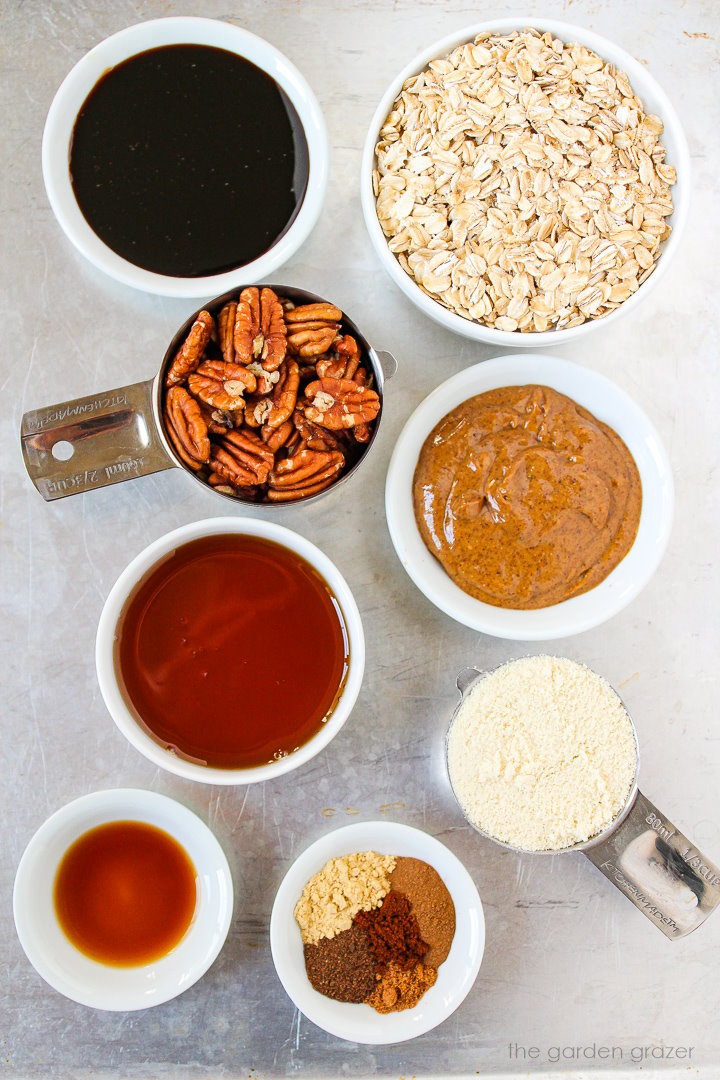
x: 122, y: 899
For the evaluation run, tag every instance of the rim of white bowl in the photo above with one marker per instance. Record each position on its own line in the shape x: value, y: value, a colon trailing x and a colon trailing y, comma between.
x: 101, y: 986
x: 177, y: 30
x: 360, y: 1023
x: 141, y: 564
x: 607, y: 402
x: 647, y: 89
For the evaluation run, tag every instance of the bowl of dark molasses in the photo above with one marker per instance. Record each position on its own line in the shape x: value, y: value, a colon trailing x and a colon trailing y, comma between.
x: 230, y: 651
x: 181, y: 152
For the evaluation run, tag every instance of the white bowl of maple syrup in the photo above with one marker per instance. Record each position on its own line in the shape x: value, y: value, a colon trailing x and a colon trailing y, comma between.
x: 77, y: 889
x: 230, y: 651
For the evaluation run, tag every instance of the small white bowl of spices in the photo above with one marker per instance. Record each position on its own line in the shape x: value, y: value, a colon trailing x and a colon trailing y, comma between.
x: 377, y: 932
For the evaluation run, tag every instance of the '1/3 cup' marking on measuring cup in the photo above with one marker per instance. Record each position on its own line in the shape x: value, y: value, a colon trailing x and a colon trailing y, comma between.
x: 120, y: 470
x: 691, y: 856
x: 131, y: 467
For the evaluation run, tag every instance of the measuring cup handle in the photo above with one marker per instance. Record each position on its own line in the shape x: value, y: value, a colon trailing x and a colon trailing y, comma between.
x: 110, y: 437
x: 659, y: 870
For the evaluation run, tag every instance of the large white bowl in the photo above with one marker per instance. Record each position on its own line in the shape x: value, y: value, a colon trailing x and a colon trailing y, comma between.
x: 608, y: 403
x: 149, y: 35
x: 360, y: 1023
x: 98, y: 985
x: 654, y: 100
x: 139, y: 567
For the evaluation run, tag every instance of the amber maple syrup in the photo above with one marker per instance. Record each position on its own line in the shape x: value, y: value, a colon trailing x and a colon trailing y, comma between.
x: 125, y: 893
x: 232, y: 651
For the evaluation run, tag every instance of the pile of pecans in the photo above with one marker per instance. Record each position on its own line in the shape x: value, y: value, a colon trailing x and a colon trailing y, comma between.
x: 270, y: 402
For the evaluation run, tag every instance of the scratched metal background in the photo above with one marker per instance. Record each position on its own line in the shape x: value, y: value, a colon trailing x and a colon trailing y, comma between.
x: 569, y: 961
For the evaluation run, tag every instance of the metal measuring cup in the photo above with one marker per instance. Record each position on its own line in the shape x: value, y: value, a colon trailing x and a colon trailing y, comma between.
x: 119, y: 434
x: 644, y: 855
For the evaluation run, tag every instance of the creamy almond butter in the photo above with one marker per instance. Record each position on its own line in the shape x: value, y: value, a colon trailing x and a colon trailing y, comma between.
x: 525, y: 497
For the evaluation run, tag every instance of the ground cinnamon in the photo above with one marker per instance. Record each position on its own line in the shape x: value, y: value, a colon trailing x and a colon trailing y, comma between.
x: 431, y: 904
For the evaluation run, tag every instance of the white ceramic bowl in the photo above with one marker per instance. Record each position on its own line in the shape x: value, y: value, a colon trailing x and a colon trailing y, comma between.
x: 140, y: 565
x: 608, y: 403
x: 360, y: 1023
x: 654, y: 100
x: 149, y: 35
x: 75, y: 975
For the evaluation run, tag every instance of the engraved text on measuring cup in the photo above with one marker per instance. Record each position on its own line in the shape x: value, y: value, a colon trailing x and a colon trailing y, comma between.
x: 40, y: 421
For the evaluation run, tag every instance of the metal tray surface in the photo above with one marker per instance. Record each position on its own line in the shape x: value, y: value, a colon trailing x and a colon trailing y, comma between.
x: 573, y: 981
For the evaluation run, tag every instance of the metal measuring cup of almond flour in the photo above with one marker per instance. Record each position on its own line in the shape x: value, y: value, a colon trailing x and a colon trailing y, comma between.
x: 115, y: 435
x: 644, y: 855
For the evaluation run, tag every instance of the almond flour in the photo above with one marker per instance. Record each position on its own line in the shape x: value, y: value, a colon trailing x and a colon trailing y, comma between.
x: 542, y: 754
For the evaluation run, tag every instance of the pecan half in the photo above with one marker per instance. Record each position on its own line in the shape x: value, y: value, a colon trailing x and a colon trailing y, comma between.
x: 186, y: 427
x: 226, y: 331
x: 313, y: 313
x: 241, y: 458
x: 191, y: 351
x: 221, y: 385
x: 304, y: 474
x: 361, y: 432
x: 265, y: 379
x: 313, y: 436
x: 260, y: 332
x: 242, y: 491
x: 257, y: 410
x: 219, y: 420
x: 274, y: 438
x: 343, y: 360
x: 340, y: 403
x: 312, y: 328
x: 284, y: 396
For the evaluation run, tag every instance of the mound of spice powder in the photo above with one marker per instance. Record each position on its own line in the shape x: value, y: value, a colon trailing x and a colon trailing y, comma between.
x: 398, y: 989
x: 342, y: 967
x: 343, y: 887
x: 431, y: 903
x: 393, y: 933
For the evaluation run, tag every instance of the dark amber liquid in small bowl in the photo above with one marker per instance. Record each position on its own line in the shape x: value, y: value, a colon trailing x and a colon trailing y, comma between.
x: 125, y: 893
x: 232, y: 651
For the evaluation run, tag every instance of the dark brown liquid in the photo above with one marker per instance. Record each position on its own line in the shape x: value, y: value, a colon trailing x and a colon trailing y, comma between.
x: 188, y: 160
x: 232, y: 651
x: 125, y: 893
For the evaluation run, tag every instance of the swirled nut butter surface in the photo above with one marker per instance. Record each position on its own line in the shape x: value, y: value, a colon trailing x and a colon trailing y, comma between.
x: 525, y: 498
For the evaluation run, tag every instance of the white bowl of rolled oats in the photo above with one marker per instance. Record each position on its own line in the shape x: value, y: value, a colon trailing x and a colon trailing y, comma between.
x: 521, y: 185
